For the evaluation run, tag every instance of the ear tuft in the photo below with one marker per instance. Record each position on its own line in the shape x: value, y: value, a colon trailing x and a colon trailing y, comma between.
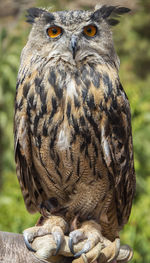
x: 122, y: 10
x: 113, y: 22
x: 33, y: 13
x: 109, y: 13
x: 106, y: 11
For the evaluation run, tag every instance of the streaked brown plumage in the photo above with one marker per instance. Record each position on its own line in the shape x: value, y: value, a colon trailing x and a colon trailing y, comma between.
x: 73, y: 140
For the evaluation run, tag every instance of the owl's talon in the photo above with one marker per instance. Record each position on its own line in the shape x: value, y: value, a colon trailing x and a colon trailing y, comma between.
x: 58, y: 241
x: 83, y: 251
x: 70, y: 244
x: 25, y: 236
x: 125, y: 254
x: 78, y: 254
x: 54, y: 225
x: 90, y: 232
x: 74, y: 237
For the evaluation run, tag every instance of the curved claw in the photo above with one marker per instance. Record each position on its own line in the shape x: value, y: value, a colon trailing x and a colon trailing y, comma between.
x: 78, y: 254
x: 58, y: 246
x: 27, y: 243
x: 84, y: 250
x: 70, y: 244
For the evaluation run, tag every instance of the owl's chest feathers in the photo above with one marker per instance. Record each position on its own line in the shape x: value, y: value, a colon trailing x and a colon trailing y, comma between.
x: 66, y: 111
x: 62, y: 103
x: 64, y: 100
x: 83, y: 85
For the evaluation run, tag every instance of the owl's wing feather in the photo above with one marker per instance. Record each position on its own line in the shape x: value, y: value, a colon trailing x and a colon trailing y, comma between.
x: 118, y: 153
x: 26, y: 171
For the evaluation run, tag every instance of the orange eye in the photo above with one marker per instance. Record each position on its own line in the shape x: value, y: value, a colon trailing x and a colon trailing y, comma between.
x: 54, y: 31
x: 90, y: 30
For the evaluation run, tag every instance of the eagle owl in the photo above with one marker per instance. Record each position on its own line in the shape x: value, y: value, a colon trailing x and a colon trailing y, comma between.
x: 73, y: 140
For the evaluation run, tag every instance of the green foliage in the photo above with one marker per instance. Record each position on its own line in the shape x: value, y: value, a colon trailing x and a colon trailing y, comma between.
x: 14, y: 216
x: 132, y: 41
x: 10, y: 48
x: 137, y: 231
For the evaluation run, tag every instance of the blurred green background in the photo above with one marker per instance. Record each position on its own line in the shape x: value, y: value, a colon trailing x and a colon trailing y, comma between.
x: 132, y: 41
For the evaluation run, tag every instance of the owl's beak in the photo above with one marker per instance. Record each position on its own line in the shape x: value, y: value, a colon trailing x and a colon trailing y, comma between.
x: 74, y: 45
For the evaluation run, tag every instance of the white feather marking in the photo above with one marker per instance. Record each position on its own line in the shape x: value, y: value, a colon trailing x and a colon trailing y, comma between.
x: 71, y: 88
x: 105, y: 146
x: 63, y: 142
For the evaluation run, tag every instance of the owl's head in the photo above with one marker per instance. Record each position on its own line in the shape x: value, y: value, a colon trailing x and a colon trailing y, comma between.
x: 74, y: 36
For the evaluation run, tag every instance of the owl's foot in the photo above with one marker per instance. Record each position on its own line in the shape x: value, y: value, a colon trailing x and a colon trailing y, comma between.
x: 110, y: 253
x: 54, y: 225
x: 95, y: 245
x: 104, y: 252
x: 125, y: 254
x: 107, y: 251
x: 90, y: 231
